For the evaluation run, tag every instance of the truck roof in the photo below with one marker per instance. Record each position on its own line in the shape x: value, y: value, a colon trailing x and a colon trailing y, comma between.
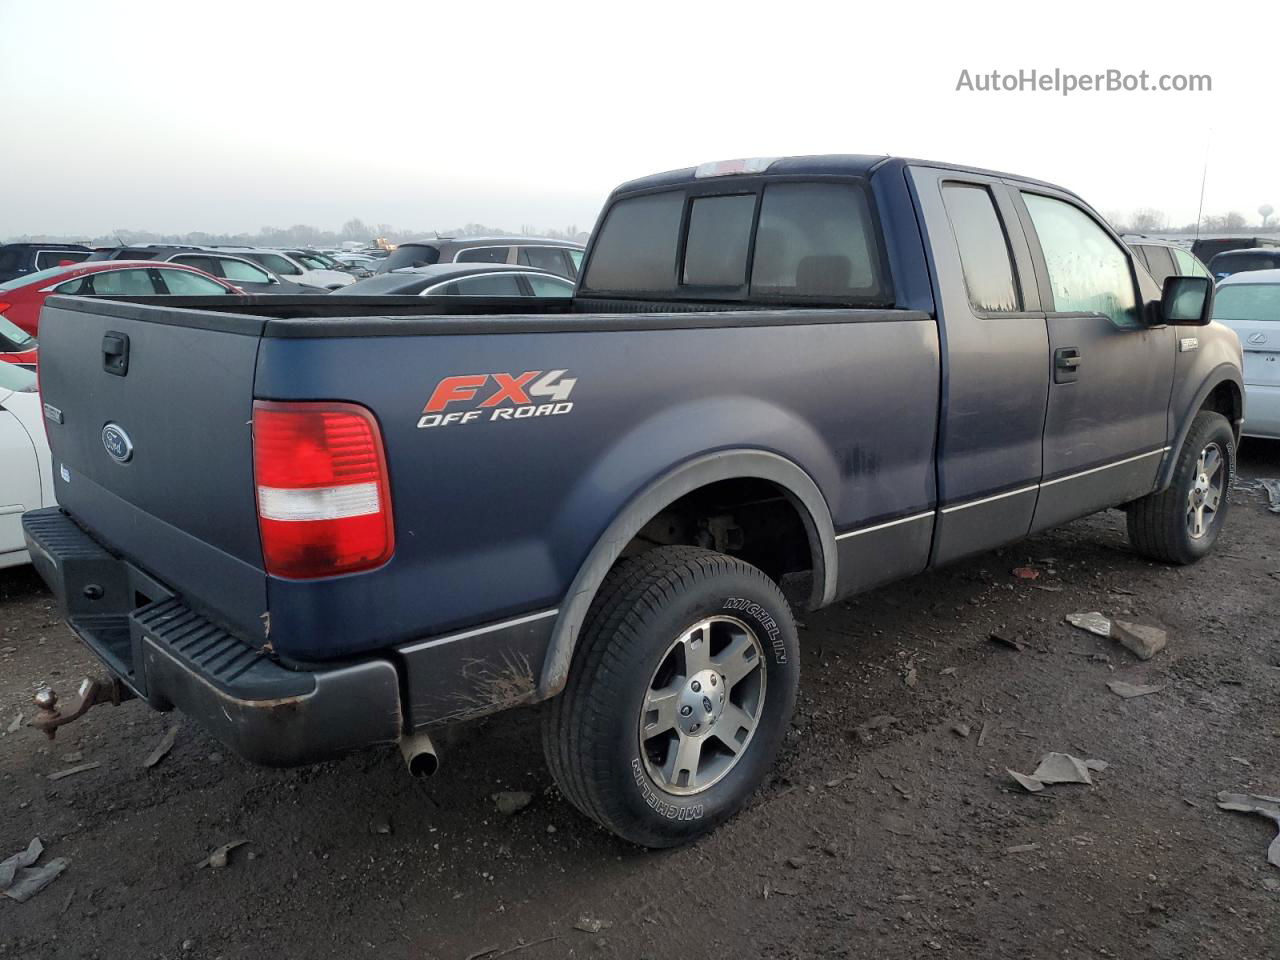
x: 830, y: 164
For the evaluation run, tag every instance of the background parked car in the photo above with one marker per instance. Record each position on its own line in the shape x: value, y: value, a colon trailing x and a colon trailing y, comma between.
x: 320, y: 260
x: 1164, y: 259
x: 288, y: 267
x: 26, y: 478
x: 555, y: 256
x: 463, y: 280
x: 22, y: 298
x: 1206, y: 248
x: 1242, y: 261
x: 367, y: 261
x: 1249, y: 303
x: 17, y: 259
x: 248, y: 276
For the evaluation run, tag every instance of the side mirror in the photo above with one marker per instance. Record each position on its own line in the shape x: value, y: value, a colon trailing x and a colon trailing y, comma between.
x: 272, y: 278
x: 1187, y: 301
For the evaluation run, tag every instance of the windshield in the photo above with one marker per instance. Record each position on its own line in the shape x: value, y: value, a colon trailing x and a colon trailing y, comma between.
x: 1247, y: 301
x: 36, y: 277
x: 14, y: 377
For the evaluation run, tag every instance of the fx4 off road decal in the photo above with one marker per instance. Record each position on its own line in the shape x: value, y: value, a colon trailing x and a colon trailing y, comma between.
x: 498, y: 396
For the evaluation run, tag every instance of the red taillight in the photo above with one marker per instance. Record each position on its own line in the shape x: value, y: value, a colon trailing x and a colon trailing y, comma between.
x: 4, y: 306
x: 324, y: 503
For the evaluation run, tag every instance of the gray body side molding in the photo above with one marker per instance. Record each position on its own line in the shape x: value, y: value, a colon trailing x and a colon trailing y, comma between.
x: 689, y: 476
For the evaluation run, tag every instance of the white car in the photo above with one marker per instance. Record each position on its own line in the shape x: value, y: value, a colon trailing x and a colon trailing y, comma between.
x: 1249, y: 303
x: 292, y: 267
x: 26, y: 474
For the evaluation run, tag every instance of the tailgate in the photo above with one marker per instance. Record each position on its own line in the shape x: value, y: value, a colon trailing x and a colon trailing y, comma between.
x: 155, y: 459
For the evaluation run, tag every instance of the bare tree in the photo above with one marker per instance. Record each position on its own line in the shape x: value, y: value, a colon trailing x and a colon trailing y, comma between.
x: 1234, y: 221
x: 1149, y: 220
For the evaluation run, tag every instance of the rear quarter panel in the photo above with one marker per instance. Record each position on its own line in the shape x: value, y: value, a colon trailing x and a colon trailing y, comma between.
x: 493, y: 518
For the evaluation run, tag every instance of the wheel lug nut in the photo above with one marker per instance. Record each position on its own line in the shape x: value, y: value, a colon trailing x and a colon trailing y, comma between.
x: 695, y: 686
x: 686, y: 710
x: 713, y: 679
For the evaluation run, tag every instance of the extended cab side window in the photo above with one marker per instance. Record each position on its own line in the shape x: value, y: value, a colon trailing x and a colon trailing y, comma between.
x: 1088, y: 272
x: 983, y: 246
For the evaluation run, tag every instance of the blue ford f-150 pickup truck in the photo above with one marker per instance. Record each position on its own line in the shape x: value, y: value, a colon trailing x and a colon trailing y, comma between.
x: 323, y: 524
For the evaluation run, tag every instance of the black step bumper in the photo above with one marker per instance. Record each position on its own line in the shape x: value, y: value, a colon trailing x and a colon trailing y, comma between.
x: 171, y: 656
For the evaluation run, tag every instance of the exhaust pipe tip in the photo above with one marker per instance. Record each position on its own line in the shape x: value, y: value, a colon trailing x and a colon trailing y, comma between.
x: 419, y: 755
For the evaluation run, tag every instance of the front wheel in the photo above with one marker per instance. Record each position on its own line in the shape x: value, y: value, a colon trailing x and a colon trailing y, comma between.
x: 679, y: 693
x: 1181, y: 523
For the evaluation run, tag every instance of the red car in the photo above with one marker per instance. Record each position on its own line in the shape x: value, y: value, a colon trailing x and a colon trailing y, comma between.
x: 22, y: 297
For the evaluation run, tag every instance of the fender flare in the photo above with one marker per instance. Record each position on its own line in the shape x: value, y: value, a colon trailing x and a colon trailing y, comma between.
x: 1223, y: 373
x: 689, y: 476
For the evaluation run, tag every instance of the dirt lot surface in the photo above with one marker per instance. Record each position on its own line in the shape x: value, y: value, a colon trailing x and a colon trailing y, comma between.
x: 876, y: 838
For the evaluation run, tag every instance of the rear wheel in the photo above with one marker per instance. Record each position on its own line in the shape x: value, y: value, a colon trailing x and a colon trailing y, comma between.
x: 1181, y: 523
x: 679, y: 693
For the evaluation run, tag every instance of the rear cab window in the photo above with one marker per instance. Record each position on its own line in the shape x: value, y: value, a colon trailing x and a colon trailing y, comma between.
x: 761, y: 240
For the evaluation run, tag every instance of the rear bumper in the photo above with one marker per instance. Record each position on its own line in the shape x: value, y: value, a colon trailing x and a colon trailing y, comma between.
x: 173, y: 657
x: 1262, y: 411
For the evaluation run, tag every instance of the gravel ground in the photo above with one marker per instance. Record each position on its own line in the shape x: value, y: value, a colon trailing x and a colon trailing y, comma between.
x: 876, y: 837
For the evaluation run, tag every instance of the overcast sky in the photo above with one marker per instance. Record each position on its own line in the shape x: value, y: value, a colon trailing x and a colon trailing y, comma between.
x: 233, y: 115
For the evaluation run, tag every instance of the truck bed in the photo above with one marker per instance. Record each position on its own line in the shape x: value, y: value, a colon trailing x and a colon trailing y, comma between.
x: 493, y: 517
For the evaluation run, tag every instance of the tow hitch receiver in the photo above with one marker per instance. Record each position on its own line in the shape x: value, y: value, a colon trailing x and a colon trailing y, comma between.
x: 93, y: 692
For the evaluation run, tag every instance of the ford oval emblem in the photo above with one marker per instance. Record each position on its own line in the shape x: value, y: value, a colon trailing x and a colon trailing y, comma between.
x: 1257, y: 338
x: 117, y: 443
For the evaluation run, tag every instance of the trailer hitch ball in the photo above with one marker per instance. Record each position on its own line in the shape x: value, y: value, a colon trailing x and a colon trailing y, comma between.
x: 91, y: 693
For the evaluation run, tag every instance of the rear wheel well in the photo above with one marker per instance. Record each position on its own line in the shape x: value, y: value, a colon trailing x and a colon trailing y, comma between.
x: 755, y: 520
